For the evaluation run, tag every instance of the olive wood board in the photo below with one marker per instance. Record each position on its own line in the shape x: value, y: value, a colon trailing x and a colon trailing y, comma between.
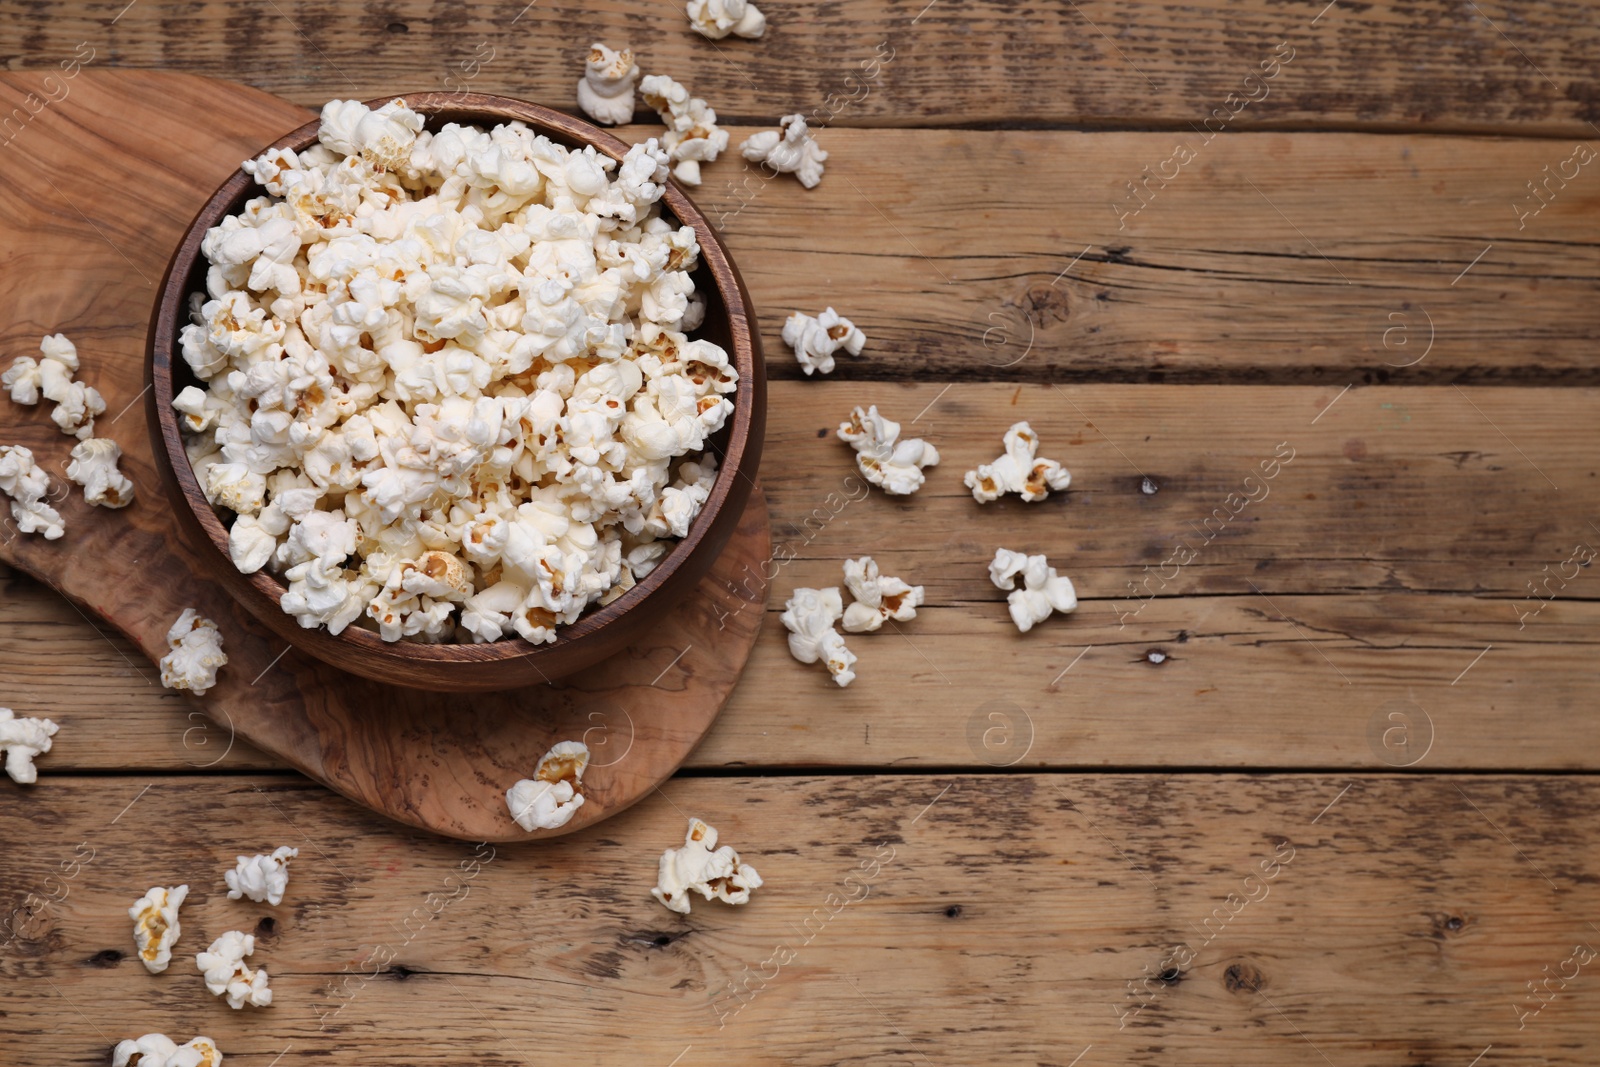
x: 436, y: 761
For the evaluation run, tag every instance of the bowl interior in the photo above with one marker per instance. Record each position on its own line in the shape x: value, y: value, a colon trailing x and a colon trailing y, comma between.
x: 727, y: 323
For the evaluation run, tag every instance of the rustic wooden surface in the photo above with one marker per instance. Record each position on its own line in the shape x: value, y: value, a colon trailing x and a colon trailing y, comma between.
x: 1433, y: 65
x: 1368, y: 625
x: 929, y: 919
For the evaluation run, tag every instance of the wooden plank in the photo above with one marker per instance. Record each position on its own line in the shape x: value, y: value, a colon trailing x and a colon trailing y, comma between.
x: 1285, y: 258
x: 926, y: 919
x: 1397, y: 545
x: 1431, y: 65
x: 1295, y: 681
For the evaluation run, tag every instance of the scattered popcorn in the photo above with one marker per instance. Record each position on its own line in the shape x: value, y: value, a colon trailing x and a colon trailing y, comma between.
x: 809, y: 615
x: 877, y: 598
x: 605, y: 92
x: 555, y: 792
x: 261, y: 877
x: 23, y: 481
x: 893, y: 465
x: 1018, y: 471
x: 793, y: 150
x: 692, y: 136
x: 227, y: 975
x: 718, y: 18
x: 158, y: 1050
x: 196, y: 654
x: 1042, y: 589
x: 94, y: 466
x: 155, y: 925
x: 815, y: 340
x: 714, y: 873
x: 447, y: 390
x: 51, y: 376
x: 21, y: 740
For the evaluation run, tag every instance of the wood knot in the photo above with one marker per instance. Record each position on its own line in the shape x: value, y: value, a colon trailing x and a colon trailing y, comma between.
x: 266, y: 929
x: 1042, y: 305
x: 106, y: 957
x: 1243, y: 978
x: 953, y: 911
x: 33, y: 921
x: 1449, y: 925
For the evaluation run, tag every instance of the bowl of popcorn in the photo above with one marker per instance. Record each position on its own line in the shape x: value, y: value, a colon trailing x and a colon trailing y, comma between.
x: 455, y: 391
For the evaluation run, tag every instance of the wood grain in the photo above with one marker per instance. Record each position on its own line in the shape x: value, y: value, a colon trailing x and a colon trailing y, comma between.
x: 1431, y: 65
x: 1300, y: 681
x: 1282, y: 258
x: 998, y: 919
x: 1397, y: 544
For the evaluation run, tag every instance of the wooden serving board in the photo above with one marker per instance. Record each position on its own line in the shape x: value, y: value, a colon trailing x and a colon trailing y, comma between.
x: 100, y: 185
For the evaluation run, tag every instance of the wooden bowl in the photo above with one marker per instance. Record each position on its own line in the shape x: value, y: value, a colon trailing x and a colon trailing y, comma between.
x: 512, y: 661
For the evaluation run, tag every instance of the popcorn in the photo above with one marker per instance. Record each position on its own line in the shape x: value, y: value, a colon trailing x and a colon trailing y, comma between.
x: 791, y: 150
x: 261, y: 878
x: 227, y: 975
x: 718, y: 18
x: 700, y: 866
x: 1042, y: 592
x: 815, y: 340
x: 23, y: 481
x: 22, y: 380
x: 893, y: 465
x: 94, y: 466
x: 876, y: 598
x: 236, y: 487
x: 21, y: 740
x: 200, y: 409
x: 448, y: 393
x: 692, y: 136
x: 158, y: 1050
x: 155, y: 925
x: 51, y: 376
x: 77, y: 406
x: 809, y: 615
x: 383, y: 137
x: 1018, y: 471
x: 196, y: 654
x: 605, y: 92
x: 554, y: 794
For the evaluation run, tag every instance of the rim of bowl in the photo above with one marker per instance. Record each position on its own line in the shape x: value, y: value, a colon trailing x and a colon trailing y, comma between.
x: 477, y: 108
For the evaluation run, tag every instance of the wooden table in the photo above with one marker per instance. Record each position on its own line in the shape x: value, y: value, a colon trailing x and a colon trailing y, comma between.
x: 1322, y: 793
